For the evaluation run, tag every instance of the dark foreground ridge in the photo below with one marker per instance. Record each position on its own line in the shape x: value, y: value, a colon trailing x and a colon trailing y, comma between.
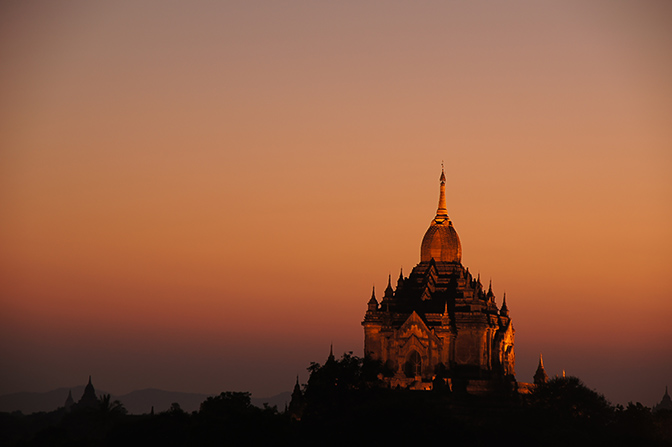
x: 346, y: 402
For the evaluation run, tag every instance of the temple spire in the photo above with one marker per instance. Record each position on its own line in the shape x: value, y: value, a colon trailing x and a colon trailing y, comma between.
x: 389, y: 291
x: 445, y: 318
x: 331, y: 357
x: 69, y: 402
x: 504, y: 311
x: 373, y: 302
x: 540, y: 376
x: 442, y: 211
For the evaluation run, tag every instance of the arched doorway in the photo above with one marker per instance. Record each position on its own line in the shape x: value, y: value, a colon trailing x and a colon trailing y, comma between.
x: 413, y: 365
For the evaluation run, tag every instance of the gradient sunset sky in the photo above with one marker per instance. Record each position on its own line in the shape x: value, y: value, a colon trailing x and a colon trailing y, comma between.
x: 198, y: 196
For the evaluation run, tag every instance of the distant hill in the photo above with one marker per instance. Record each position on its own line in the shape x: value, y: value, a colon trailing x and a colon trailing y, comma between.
x: 136, y: 402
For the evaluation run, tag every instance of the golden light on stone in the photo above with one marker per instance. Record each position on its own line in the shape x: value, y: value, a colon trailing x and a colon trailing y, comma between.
x: 439, y: 323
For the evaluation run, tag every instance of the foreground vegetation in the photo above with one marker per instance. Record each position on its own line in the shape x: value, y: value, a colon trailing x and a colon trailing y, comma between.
x: 345, y: 405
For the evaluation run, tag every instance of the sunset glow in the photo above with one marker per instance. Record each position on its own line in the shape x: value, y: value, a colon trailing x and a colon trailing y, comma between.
x: 199, y: 196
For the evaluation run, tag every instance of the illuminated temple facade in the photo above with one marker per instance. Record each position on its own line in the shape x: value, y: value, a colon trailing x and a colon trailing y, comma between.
x: 439, y: 323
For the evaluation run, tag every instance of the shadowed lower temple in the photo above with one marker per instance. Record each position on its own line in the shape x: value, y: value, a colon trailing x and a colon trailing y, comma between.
x: 439, y: 323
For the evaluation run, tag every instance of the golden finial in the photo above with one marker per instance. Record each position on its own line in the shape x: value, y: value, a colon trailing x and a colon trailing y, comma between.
x: 442, y: 211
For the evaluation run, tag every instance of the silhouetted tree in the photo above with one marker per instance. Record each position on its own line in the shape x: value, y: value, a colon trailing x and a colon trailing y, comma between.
x: 230, y: 418
x: 635, y: 423
x: 348, y: 373
x: 227, y: 404
x: 176, y: 409
x: 346, y: 398
x: 564, y: 409
x: 569, y: 398
x: 109, y: 408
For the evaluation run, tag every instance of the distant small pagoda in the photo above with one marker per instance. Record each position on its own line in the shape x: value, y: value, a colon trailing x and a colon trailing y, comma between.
x: 540, y: 376
x: 88, y: 399
x: 665, y: 404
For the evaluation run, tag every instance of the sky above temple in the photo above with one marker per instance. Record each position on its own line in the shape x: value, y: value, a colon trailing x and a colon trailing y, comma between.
x: 199, y: 196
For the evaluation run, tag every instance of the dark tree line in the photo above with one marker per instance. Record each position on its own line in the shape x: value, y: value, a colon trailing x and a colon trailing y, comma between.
x: 345, y: 403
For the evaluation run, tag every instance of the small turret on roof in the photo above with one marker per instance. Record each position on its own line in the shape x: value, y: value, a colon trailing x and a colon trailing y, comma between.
x: 373, y: 303
x: 478, y: 286
x: 400, y: 280
x: 445, y: 318
x: 389, y: 291
x: 504, y: 311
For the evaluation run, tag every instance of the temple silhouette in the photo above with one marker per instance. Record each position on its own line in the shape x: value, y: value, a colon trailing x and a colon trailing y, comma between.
x: 665, y: 404
x: 440, y: 323
x: 88, y: 399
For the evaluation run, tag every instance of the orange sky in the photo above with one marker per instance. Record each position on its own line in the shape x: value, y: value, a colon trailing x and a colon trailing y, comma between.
x: 199, y: 197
